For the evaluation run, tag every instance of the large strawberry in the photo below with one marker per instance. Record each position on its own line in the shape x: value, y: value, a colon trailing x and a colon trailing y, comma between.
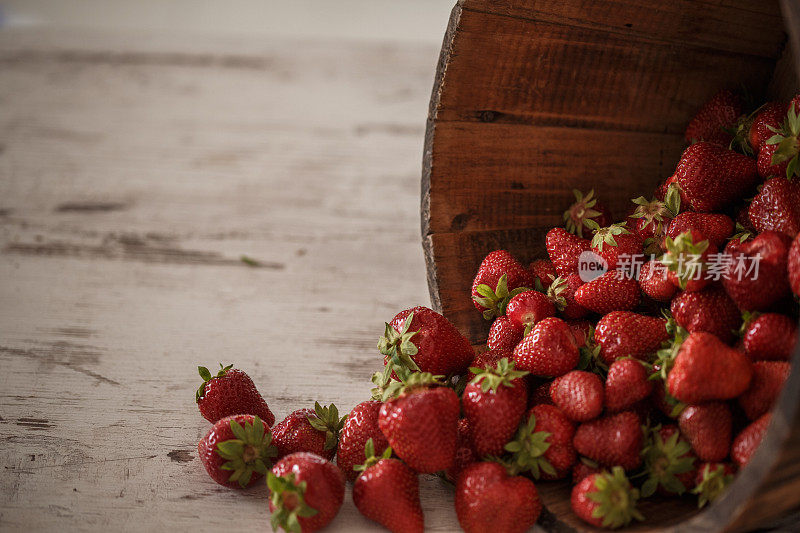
x: 606, y: 499
x: 529, y: 307
x: 769, y: 336
x: 611, y: 440
x: 746, y: 442
x: 543, y: 445
x: 562, y: 294
x: 309, y: 430
x: 787, y: 141
x: 655, y: 283
x: 498, y: 276
x: 306, y: 492
x: 755, y: 289
x: 794, y: 266
x: 489, y: 500
x: 668, y: 461
x: 714, y: 120
x: 710, y: 310
x: 767, y: 383
x: 237, y: 451
x: 360, y: 426
x: 586, y: 214
x: 776, y: 207
x: 578, y: 394
x: 564, y: 249
x: 548, y: 350
x: 715, y: 227
x: 230, y: 392
x: 616, y: 244
x: 711, y: 481
x: 419, y: 419
x: 628, y: 334
x: 626, y: 383
x: 504, y: 334
x: 613, y: 291
x: 707, y: 427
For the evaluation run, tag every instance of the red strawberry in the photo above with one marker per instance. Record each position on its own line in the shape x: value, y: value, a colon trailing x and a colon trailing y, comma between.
x: 360, y: 426
x: 627, y: 334
x: 578, y: 394
x: 548, y: 350
x: 562, y: 294
x: 707, y: 427
x: 489, y: 500
x: 715, y: 118
x: 711, y: 481
x: 420, y: 422
x: 465, y: 451
x: 237, y: 450
x: 585, y: 213
x: 770, y: 115
x: 668, y: 461
x: 387, y: 491
x: 756, y: 290
x: 711, y: 176
x: 582, y: 330
x: 487, y: 360
x: 794, y: 266
x: 306, y: 492
x: 615, y: 244
x: 564, y: 248
x: 650, y: 219
x: 583, y: 468
x: 626, y: 383
x: 768, y: 380
x: 710, y: 310
x: 230, y: 392
x: 606, y: 499
x: 504, y: 334
x: 654, y: 282
x: 786, y: 155
x: 543, y: 445
x: 543, y: 274
x: 493, y: 403
x: 309, y: 430
x: 746, y: 442
x: 707, y: 369
x: 715, y: 227
x: 613, y: 291
x: 687, y: 260
x: 499, y: 274
x: 764, y: 162
x: 529, y: 307
x: 776, y: 207
x: 611, y: 440
x: 769, y: 336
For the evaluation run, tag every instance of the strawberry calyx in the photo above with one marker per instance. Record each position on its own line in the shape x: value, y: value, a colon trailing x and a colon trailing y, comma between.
x: 410, y: 382
x: 788, y: 140
x: 581, y: 214
x: 684, y: 257
x: 528, y: 449
x: 287, y: 495
x: 665, y: 357
x: 741, y: 132
x: 206, y: 375
x: 371, y: 458
x: 741, y: 233
x: 606, y: 235
x: 747, y: 318
x: 656, y: 212
x: 715, y: 478
x: 615, y: 498
x: 326, y: 419
x: 251, y: 451
x: 664, y: 460
x: 590, y: 359
x: 556, y: 292
x: 495, y: 300
x: 397, y: 345
x: 503, y: 374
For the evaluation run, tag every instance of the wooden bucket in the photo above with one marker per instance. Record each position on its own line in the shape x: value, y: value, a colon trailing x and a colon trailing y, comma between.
x: 534, y: 98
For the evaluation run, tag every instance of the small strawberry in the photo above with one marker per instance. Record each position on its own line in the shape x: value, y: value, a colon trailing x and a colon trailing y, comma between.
x: 498, y: 276
x: 615, y: 243
x: 578, y: 394
x: 606, y: 499
x: 309, y: 430
x: 668, y: 461
x: 767, y: 383
x: 756, y: 290
x: 654, y: 282
x: 627, y: 334
x: 543, y: 274
x: 504, y: 334
x: 710, y: 310
x: 711, y: 176
x: 583, y: 468
x: 562, y: 294
x: 626, y: 383
x: 360, y: 426
x: 489, y: 500
x: 611, y: 440
x: 753, y: 131
x: 711, y: 481
x: 787, y: 141
x: 687, y: 260
x: 387, y: 492
x: 746, y: 442
x: 794, y: 266
x: 237, y: 450
x: 613, y: 291
x: 707, y: 427
x: 465, y: 451
x: 548, y: 350
x: 715, y: 227
x: 230, y: 392
x: 306, y: 493
x: 543, y: 445
x: 713, y: 121
x: 586, y: 213
x: 769, y: 336
x: 564, y: 249
x: 487, y: 360
x: 529, y: 307
x: 776, y: 207
x: 493, y: 403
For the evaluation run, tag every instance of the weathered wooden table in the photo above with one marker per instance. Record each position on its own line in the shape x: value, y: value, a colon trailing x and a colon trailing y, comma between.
x: 135, y: 172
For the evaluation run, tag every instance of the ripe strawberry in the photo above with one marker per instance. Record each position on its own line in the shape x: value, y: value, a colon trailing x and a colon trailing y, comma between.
x: 230, y: 392
x: 493, y: 403
x: 768, y: 380
x: 769, y: 336
x: 757, y: 290
x: 715, y: 227
x: 578, y: 394
x: 687, y: 260
x: 668, y: 461
x: 711, y: 481
x: 586, y: 213
x: 627, y: 334
x: 766, y: 169
x: 626, y: 383
x: 794, y: 266
x: 306, y: 492
x: 654, y: 282
x: 613, y: 291
x: 707, y: 369
x: 650, y: 219
x: 420, y: 419
x: 583, y: 468
x: 611, y: 440
x: 543, y: 273
x: 746, y: 442
x: 499, y: 274
x: 360, y: 426
x: 711, y: 176
x: 710, y: 310
x: 616, y: 244
x: 465, y: 451
x: 387, y: 492
x: 606, y: 499
x: 543, y: 445
x: 562, y: 294
x: 529, y: 307
x: 237, y: 450
x: 715, y: 118
x: 487, y: 360
x: 548, y: 350
x: 309, y: 430
x: 504, y: 334
x: 787, y: 143
x: 564, y: 248
x: 707, y: 427
x: 489, y: 500
x: 753, y: 131
x: 776, y: 207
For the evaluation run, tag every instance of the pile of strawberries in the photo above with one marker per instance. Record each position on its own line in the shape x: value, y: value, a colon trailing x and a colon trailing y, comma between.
x: 654, y: 375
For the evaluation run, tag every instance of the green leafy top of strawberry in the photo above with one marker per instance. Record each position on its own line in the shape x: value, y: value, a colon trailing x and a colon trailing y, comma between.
x: 741, y: 233
x: 206, y: 375
x: 495, y: 299
x: 787, y: 137
x: 665, y: 357
x: 410, y: 382
x: 397, y: 346
x: 251, y: 450
x: 502, y: 374
x: 747, y: 318
x: 556, y: 292
x: 606, y: 235
x: 713, y: 483
x: 741, y: 132
x: 664, y: 460
x: 288, y: 498
x: 654, y: 211
x: 590, y: 359
x: 616, y: 499
x: 327, y: 419
x: 683, y: 256
x: 581, y: 214
x: 371, y: 458
x: 527, y: 451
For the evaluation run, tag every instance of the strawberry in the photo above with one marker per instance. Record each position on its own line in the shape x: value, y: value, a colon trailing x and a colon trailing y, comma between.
x: 419, y: 419
x: 584, y: 467
x: 787, y: 143
x: 627, y: 334
x: 548, y: 350
x: 504, y: 334
x: 543, y: 445
x: 498, y: 276
x: 487, y: 360
x: 711, y: 481
x: 649, y: 220
x: 710, y: 310
x: 668, y: 461
x: 767, y: 383
x: 490, y: 500
x: 713, y: 121
x: 387, y: 492
x: 465, y: 451
x: 613, y: 291
x: 794, y: 266
x: 776, y: 207
x: 582, y: 331
x: 493, y: 403
x: 711, y: 176
x: 654, y: 282
x: 687, y: 260
x: 578, y: 394
x: 766, y: 169
x: 611, y: 440
x: 707, y: 369
x: 715, y: 227
x: 309, y: 430
x: 306, y: 492
x: 543, y: 273
x: 230, y: 392
x: 707, y: 427
x: 756, y: 290
x: 529, y: 307
x: 564, y: 249
x: 360, y: 426
x: 769, y: 336
x: 585, y: 213
x: 753, y: 131
x: 746, y: 442
x: 562, y: 294
x: 626, y: 383
x: 616, y: 243
x: 606, y: 499
x: 237, y: 450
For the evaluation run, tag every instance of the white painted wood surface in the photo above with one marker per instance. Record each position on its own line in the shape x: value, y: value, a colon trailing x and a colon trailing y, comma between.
x: 135, y: 171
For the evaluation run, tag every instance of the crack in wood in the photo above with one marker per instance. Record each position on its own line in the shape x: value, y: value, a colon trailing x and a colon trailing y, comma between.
x: 90, y: 207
